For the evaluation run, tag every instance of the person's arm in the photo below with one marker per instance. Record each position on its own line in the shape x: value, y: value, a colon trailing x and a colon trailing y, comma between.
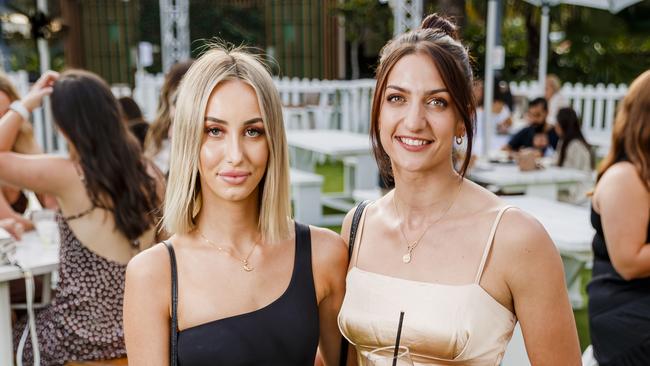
x: 14, y: 228
x: 38, y: 173
x: 25, y: 142
x: 622, y: 201
x: 7, y: 212
x: 11, y: 122
x: 535, y: 276
x: 516, y: 141
x: 147, y: 303
x: 330, y: 261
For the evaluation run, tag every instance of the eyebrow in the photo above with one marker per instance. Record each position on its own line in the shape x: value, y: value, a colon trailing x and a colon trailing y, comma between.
x: 222, y: 122
x: 434, y: 91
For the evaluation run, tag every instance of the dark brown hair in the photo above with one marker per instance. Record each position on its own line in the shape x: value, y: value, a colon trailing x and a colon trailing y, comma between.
x: 569, y: 122
x: 113, y: 166
x: 631, y: 133
x: 437, y: 38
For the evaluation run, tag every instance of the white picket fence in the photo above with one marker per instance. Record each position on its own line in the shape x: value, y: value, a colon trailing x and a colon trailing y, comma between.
x: 346, y: 104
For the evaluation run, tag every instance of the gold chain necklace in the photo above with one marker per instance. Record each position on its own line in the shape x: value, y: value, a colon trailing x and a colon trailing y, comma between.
x: 406, y: 258
x: 247, y: 267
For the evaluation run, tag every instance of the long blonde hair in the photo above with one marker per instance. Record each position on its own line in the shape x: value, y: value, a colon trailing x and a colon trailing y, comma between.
x: 183, y: 196
x: 631, y: 133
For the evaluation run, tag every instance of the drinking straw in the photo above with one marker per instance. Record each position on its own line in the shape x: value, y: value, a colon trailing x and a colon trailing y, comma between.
x: 399, y: 335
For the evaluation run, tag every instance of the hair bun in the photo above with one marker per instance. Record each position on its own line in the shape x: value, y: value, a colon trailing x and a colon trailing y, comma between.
x: 441, y: 23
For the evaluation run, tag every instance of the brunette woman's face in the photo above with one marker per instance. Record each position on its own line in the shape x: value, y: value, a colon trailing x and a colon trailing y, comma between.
x: 417, y: 118
x: 234, y: 152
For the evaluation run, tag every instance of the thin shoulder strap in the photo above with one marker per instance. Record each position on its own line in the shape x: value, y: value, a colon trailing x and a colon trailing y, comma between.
x: 343, y: 356
x: 488, y: 245
x: 173, y: 324
x: 355, y: 226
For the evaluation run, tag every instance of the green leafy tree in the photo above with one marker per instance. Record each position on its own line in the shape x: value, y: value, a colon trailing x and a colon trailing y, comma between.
x: 363, y: 19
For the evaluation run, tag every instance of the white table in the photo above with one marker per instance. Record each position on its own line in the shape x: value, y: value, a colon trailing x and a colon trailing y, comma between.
x: 336, y: 144
x: 541, y: 183
x: 571, y: 231
x: 40, y: 259
x: 568, y: 225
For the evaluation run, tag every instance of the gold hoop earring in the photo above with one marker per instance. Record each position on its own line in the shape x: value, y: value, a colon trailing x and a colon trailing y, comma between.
x: 459, y: 140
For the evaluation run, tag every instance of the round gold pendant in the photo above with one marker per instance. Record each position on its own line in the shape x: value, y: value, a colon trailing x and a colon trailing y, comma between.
x: 248, y: 268
x: 406, y: 258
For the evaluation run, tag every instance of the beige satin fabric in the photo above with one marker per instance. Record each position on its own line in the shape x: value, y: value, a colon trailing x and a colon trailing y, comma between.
x: 443, y: 324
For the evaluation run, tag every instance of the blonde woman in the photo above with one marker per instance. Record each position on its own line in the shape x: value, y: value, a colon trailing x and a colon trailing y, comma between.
x: 253, y: 287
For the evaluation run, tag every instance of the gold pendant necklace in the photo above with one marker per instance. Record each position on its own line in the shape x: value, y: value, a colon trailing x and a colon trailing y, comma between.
x: 245, y: 265
x: 408, y: 256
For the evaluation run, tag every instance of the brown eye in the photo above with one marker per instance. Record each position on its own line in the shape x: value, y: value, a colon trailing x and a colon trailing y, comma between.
x: 395, y: 99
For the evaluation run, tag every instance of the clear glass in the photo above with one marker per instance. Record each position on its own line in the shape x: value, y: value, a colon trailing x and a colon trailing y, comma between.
x: 385, y: 357
x: 46, y: 226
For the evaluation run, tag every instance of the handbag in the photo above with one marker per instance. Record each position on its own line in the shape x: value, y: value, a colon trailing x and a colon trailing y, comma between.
x: 343, y: 359
x: 173, y: 322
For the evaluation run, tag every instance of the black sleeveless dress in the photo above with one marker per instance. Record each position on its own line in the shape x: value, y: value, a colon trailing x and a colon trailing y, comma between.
x: 284, y: 332
x: 619, y: 310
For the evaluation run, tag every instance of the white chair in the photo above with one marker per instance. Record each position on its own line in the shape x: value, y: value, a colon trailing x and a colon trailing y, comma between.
x: 588, y: 358
x: 306, y: 195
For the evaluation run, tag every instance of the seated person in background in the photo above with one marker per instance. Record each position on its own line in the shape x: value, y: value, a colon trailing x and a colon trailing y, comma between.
x: 572, y: 148
x: 108, y: 195
x: 132, y: 116
x: 573, y: 152
x: 538, y: 134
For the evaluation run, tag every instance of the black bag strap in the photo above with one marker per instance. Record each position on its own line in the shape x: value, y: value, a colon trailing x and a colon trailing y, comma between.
x: 355, y: 226
x: 343, y: 359
x: 173, y: 324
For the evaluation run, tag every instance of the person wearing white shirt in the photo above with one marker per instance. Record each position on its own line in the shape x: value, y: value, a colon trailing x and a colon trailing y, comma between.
x: 554, y: 96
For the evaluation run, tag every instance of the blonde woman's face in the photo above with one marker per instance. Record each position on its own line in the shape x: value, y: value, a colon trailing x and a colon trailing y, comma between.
x: 417, y: 120
x: 234, y: 152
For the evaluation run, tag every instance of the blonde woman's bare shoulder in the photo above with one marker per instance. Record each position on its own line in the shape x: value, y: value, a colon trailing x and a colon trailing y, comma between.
x: 151, y: 266
x: 327, y: 246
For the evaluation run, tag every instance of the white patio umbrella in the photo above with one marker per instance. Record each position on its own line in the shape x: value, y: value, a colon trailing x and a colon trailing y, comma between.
x: 613, y: 6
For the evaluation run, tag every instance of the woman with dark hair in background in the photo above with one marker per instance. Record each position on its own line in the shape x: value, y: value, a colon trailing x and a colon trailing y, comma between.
x: 108, y: 196
x: 573, y: 150
x: 157, y: 144
x: 433, y: 247
x: 619, y: 292
x: 133, y: 118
